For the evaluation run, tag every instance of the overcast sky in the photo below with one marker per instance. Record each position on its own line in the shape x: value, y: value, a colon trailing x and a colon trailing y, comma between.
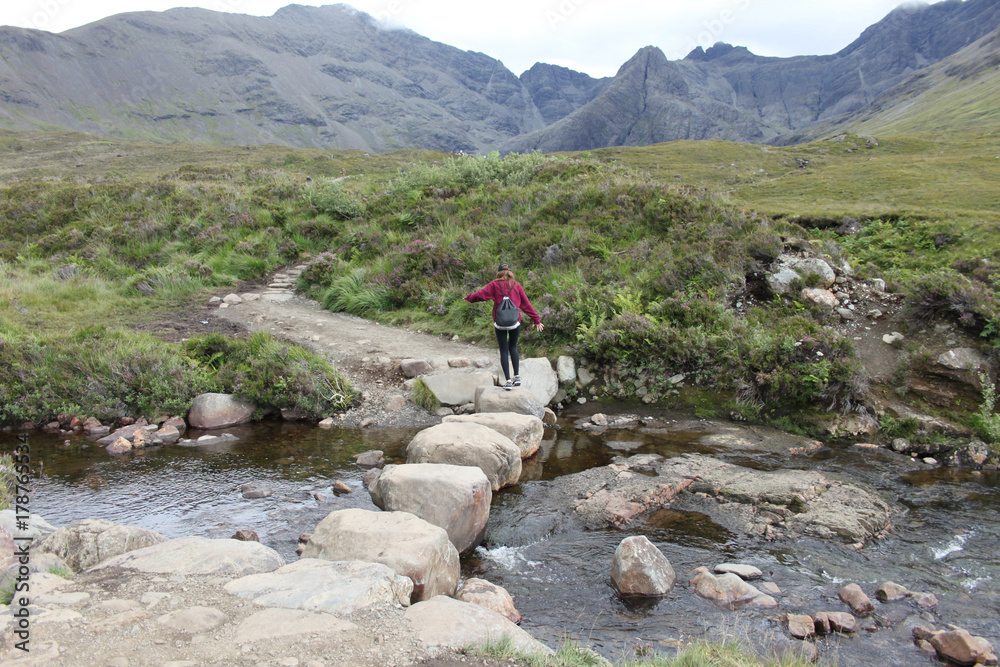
x: 592, y: 36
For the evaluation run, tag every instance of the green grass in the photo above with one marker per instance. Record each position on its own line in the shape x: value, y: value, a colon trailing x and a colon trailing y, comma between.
x: 727, y: 653
x: 633, y: 257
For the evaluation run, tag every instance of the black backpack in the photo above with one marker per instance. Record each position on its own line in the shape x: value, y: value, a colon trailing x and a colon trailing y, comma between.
x: 507, y: 316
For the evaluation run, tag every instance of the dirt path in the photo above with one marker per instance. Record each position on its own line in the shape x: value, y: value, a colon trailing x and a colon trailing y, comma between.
x: 368, y: 353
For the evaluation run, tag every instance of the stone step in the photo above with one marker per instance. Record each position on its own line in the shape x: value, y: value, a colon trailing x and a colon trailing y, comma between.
x: 277, y: 296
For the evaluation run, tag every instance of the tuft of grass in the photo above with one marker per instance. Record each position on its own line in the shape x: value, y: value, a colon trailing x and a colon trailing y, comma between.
x: 61, y: 571
x: 424, y: 397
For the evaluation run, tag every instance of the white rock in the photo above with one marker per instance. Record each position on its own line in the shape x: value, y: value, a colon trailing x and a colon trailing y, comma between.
x: 409, y: 545
x: 313, y: 584
x: 456, y: 498
x: 525, y: 431
x: 199, y: 555
x: 468, y: 445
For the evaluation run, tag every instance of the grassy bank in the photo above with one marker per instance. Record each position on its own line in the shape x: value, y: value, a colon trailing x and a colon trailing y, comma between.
x: 726, y: 653
x: 633, y: 270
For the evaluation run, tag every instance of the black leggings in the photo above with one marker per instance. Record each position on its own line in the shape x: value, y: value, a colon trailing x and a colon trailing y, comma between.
x: 507, y: 339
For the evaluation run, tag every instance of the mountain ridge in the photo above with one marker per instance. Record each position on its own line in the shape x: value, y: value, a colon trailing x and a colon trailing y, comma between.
x: 333, y: 77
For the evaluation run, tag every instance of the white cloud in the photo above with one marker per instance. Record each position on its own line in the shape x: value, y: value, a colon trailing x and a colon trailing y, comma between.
x: 595, y: 36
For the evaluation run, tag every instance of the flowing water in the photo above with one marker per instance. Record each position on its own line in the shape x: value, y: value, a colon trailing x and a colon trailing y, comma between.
x: 945, y: 539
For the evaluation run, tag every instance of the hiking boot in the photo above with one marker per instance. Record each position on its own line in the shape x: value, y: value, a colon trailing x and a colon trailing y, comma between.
x: 517, y: 380
x: 509, y: 385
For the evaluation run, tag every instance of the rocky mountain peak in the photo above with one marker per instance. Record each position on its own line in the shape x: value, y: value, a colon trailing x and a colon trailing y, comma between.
x: 718, y: 51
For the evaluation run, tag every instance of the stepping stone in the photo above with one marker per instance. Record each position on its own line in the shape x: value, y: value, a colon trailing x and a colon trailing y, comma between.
x: 277, y: 296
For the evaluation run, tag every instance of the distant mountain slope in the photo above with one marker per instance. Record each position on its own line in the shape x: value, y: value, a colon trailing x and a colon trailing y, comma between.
x: 961, y: 93
x: 559, y: 91
x: 323, y: 77
x: 332, y: 77
x: 729, y: 93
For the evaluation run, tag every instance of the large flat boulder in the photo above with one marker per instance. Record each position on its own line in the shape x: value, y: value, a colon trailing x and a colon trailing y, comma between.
x: 773, y: 504
x: 444, y: 622
x: 456, y: 498
x: 199, y: 555
x: 313, y: 584
x: 406, y: 543
x: 539, y: 378
x: 468, y: 445
x: 218, y: 411
x: 276, y: 622
x: 498, y: 399
x: 86, y: 543
x: 525, y: 431
x: 457, y: 388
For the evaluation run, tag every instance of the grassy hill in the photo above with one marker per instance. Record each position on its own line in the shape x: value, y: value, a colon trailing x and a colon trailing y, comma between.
x: 634, y: 257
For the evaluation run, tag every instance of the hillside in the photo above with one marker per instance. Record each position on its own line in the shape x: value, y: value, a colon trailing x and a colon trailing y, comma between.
x: 327, y: 76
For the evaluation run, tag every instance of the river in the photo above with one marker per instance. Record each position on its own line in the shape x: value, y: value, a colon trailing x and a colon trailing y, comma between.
x: 944, y: 540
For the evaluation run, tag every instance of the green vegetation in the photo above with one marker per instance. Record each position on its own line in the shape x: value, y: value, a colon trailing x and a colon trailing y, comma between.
x: 631, y: 269
x: 7, y: 480
x: 727, y: 653
x: 986, y: 422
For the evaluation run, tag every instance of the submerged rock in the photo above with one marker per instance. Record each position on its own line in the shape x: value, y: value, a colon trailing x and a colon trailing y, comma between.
x: 728, y: 590
x: 774, y: 504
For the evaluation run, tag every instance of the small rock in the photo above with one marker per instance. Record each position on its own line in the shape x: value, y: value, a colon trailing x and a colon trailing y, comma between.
x: 371, y: 459
x: 893, y: 338
x: 366, y: 423
x: 744, y: 572
x: 340, y: 488
x: 119, y: 446
x: 254, y: 490
x: 855, y: 598
x: 801, y: 627
x: 232, y: 299
x: 599, y: 419
x: 395, y: 404
x: 926, y: 601
x: 326, y: 423
x: 550, y: 417
x: 891, y: 592
x: 246, y: 535
x: 771, y: 588
x: 834, y: 621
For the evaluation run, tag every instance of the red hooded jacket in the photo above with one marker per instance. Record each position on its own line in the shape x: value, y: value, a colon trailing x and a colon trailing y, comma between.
x: 497, y: 290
